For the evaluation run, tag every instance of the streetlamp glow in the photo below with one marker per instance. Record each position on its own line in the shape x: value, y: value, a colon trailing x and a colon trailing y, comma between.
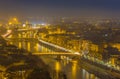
x: 10, y: 23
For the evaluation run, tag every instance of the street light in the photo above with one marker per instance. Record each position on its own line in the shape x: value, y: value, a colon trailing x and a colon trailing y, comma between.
x: 10, y: 23
x: 15, y: 19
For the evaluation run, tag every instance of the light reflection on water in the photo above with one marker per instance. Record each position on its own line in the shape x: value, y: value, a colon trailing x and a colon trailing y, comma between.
x: 74, y: 69
x: 70, y: 69
x: 57, y: 68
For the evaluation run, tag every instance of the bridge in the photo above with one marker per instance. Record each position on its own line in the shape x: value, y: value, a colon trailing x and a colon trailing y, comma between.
x: 21, y: 39
x: 58, y: 54
x: 30, y: 29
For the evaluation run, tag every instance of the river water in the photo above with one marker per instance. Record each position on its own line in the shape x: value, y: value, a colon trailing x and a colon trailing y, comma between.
x: 69, y: 69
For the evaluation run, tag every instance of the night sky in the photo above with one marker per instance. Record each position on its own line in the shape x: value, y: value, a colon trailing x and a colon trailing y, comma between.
x: 34, y: 8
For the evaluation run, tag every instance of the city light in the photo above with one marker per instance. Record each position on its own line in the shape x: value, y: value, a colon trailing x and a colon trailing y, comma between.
x: 10, y: 23
x: 24, y: 25
x: 77, y: 53
x: 60, y: 39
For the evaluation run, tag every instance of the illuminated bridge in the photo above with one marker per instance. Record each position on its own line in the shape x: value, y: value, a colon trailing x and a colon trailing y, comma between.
x: 58, y: 54
x: 29, y: 29
x: 21, y: 39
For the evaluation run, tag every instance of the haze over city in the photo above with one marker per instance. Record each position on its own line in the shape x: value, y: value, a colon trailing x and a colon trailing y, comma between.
x: 54, y: 8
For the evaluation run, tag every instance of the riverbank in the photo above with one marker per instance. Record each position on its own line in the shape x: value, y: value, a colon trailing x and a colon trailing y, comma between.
x: 99, y: 70
x: 14, y: 64
x: 18, y: 66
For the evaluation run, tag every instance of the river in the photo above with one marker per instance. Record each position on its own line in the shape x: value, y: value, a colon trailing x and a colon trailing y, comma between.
x: 69, y: 69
